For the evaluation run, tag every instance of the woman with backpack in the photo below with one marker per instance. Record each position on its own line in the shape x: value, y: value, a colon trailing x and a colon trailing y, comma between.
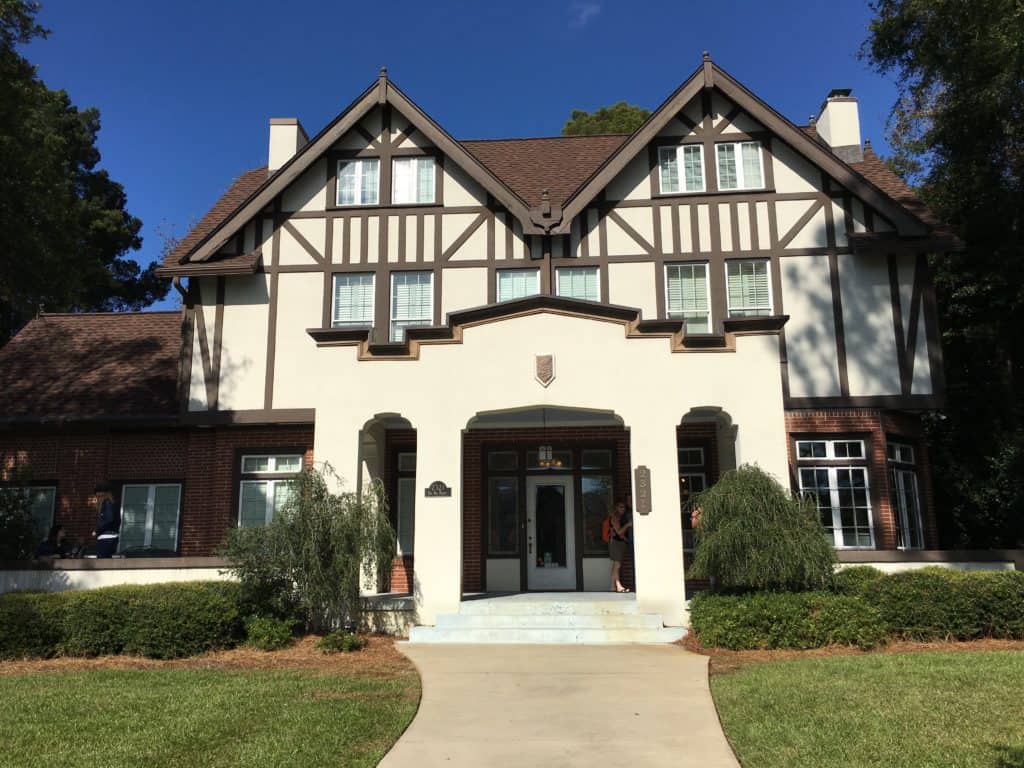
x: 618, y: 525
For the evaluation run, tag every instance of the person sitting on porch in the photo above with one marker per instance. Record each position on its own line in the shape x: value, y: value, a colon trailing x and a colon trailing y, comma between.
x: 619, y: 524
x: 54, y: 545
x: 108, y: 523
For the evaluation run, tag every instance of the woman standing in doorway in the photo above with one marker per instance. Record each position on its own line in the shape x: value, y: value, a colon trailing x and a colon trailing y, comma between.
x: 619, y: 524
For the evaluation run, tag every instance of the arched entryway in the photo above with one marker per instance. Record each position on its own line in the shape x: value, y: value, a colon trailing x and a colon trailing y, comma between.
x: 538, y: 482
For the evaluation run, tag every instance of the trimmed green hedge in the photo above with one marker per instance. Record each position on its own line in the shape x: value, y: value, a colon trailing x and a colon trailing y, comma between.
x: 269, y: 634
x: 160, y: 621
x: 865, y: 607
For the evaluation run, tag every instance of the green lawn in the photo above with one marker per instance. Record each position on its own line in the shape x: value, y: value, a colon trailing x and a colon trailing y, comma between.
x: 913, y: 710
x: 189, y: 717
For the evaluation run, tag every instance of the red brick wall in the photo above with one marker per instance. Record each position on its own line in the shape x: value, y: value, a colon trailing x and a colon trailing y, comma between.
x: 473, y: 512
x: 203, y: 460
x: 873, y: 426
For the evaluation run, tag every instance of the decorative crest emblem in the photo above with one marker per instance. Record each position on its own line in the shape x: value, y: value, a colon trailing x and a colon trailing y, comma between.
x: 545, y: 370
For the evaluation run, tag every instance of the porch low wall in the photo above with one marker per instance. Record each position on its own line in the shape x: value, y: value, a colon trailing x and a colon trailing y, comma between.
x: 63, y: 575
x: 895, y: 561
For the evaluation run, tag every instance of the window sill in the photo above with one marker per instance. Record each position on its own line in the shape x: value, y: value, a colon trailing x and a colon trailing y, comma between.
x: 716, y: 193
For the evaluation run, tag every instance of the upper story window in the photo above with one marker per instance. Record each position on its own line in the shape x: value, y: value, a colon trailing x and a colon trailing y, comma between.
x: 359, y: 181
x: 517, y: 283
x: 265, y: 486
x: 686, y: 296
x: 689, y: 158
x: 739, y: 165
x: 748, y: 288
x: 353, y: 300
x: 412, y: 301
x: 149, y: 516
x: 578, y: 283
x: 412, y: 180
x: 906, y: 501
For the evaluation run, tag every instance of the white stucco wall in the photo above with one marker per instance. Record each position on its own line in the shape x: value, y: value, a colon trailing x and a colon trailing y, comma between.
x: 810, y: 332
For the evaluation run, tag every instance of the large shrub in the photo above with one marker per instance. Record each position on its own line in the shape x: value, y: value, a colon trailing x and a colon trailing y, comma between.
x: 765, y: 620
x: 96, y: 620
x: 754, y: 534
x: 183, y: 620
x: 312, y: 558
x: 267, y: 633
x: 31, y: 624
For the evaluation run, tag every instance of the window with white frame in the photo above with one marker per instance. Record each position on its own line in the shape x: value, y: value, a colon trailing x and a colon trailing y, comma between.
x: 687, y: 297
x: 839, y: 487
x: 412, y: 180
x: 412, y: 301
x: 747, y: 287
x: 265, y: 486
x: 578, y: 283
x: 517, y: 283
x: 739, y: 165
x: 353, y: 300
x: 358, y: 181
x: 906, y: 501
x: 149, y: 515
x: 687, y: 157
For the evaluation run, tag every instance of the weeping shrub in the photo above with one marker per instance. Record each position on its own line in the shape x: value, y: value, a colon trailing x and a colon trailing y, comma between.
x: 311, y: 559
x: 753, y: 534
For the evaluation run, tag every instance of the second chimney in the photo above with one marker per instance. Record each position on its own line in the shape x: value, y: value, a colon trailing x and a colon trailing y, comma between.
x: 839, y: 125
x: 286, y: 138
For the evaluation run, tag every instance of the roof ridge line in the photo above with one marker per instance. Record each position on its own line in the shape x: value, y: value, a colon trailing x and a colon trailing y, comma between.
x: 549, y: 138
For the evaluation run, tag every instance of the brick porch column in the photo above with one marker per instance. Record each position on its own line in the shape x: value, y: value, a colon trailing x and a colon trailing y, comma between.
x: 658, y: 536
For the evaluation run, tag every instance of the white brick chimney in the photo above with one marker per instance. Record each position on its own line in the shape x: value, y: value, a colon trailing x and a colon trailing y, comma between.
x: 839, y: 125
x: 286, y: 138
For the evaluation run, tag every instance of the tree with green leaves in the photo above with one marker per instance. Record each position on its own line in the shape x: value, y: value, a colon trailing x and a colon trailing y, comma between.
x: 618, y: 118
x: 957, y: 130
x: 65, y: 230
x: 751, y: 533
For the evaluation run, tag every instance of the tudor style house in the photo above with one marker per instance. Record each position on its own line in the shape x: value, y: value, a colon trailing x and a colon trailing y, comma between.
x: 510, y: 334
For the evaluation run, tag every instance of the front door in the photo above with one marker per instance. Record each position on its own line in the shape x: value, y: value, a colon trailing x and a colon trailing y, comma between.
x: 550, y: 543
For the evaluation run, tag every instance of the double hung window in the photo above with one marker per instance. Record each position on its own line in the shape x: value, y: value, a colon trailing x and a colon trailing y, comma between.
x: 149, y: 515
x: 686, y: 296
x: 517, y: 283
x: 681, y: 169
x: 747, y: 285
x: 265, y: 486
x: 906, y: 502
x: 834, y: 474
x: 412, y: 302
x: 739, y: 165
x: 578, y: 283
x: 359, y: 181
x: 412, y: 180
x: 353, y: 300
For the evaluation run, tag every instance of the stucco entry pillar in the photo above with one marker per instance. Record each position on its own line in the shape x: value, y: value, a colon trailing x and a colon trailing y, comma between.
x: 437, y: 551
x: 658, y: 536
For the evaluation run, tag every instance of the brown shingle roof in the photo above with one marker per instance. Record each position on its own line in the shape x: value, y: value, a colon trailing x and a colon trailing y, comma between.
x: 558, y: 163
x: 874, y: 169
x: 237, y: 193
x: 92, y: 366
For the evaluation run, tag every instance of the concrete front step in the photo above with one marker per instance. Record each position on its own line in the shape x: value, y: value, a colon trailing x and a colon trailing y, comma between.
x: 549, y: 605
x: 549, y: 635
x: 549, y: 621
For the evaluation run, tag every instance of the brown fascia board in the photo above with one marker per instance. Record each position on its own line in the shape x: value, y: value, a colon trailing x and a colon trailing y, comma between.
x: 710, y: 75
x: 382, y: 91
x: 885, y: 243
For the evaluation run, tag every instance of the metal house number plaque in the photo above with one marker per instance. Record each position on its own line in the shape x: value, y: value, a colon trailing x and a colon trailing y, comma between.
x: 643, y: 490
x: 437, y: 488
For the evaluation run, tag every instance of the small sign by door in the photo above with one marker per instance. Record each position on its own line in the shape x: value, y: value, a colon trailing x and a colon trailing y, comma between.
x: 436, y: 489
x: 643, y: 490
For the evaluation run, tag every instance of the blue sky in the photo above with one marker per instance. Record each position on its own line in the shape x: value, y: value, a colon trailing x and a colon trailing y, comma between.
x: 185, y: 88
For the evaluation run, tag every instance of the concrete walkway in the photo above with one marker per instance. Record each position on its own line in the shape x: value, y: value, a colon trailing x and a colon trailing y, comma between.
x: 549, y: 705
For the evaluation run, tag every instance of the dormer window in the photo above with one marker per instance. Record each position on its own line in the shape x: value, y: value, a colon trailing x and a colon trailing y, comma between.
x: 681, y: 169
x: 412, y: 180
x: 359, y: 181
x: 739, y: 165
